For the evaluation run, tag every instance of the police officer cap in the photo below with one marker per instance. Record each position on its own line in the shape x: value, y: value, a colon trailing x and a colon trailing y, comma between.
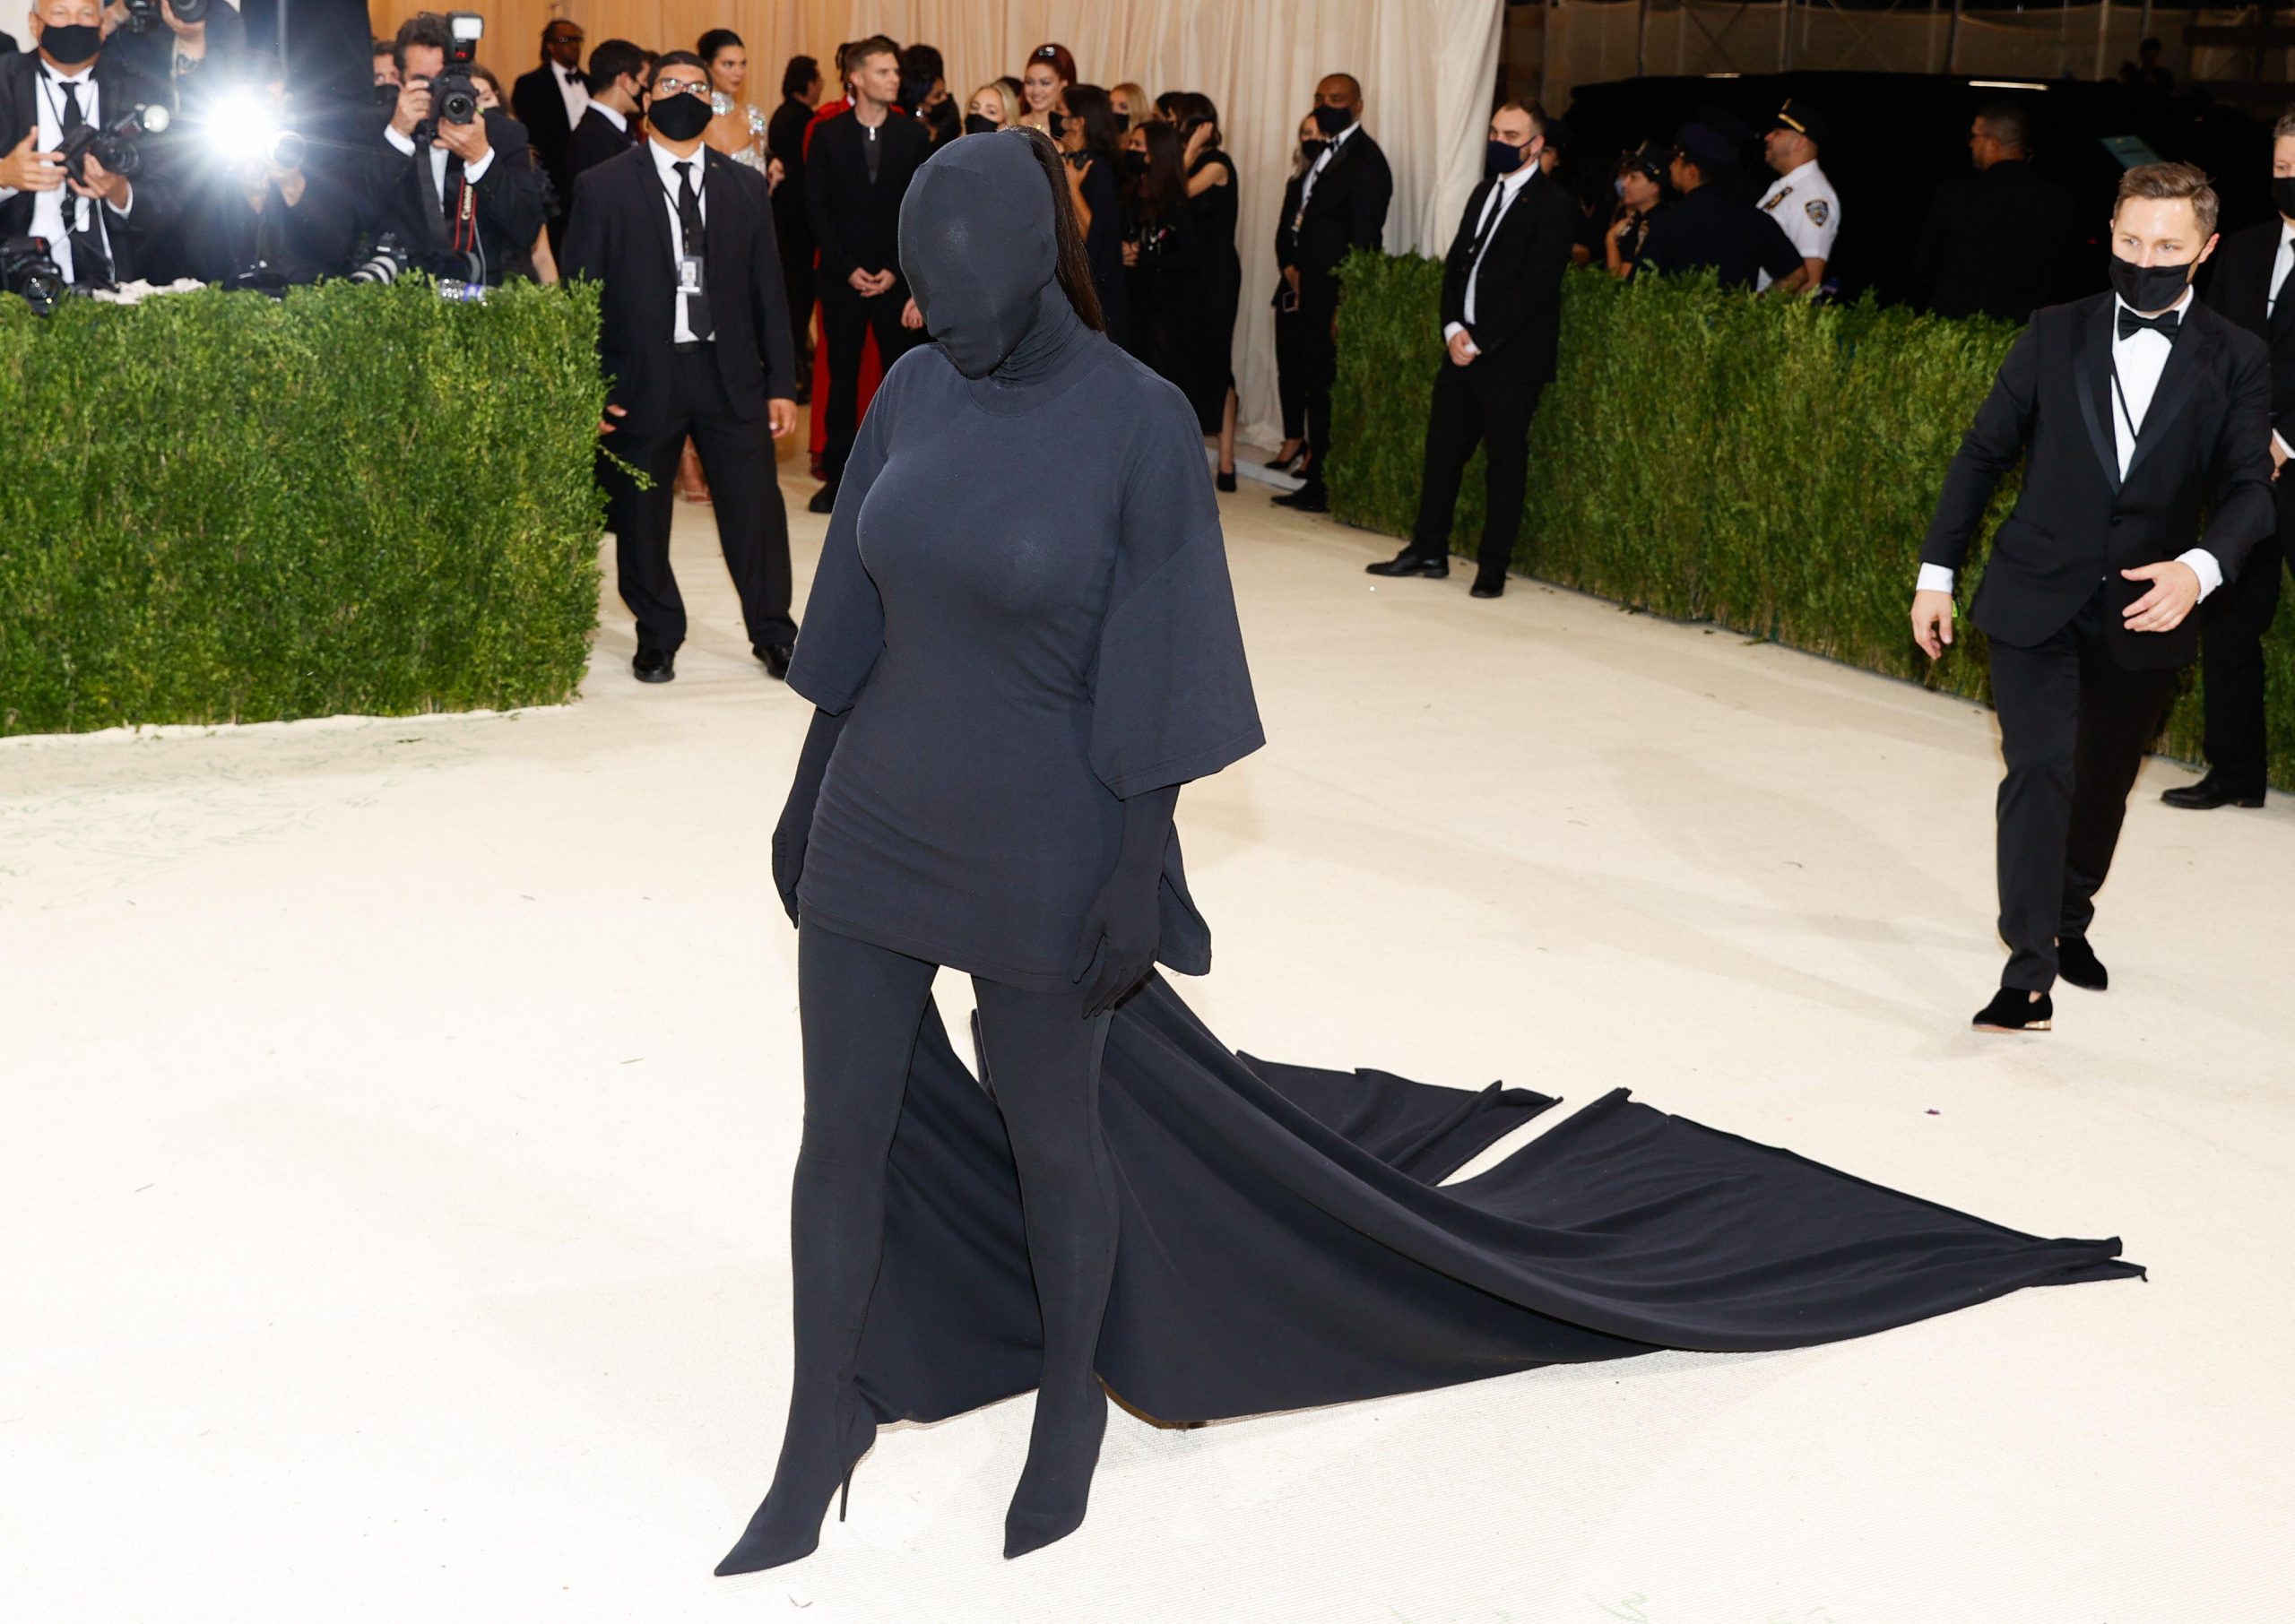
x: 1803, y: 119
x: 1706, y: 147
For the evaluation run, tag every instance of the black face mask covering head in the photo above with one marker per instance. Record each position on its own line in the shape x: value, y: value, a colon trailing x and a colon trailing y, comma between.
x: 978, y: 247
x: 2147, y: 289
x: 70, y: 44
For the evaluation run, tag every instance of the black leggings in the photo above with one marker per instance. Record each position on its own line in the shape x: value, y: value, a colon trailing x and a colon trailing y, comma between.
x: 861, y: 1007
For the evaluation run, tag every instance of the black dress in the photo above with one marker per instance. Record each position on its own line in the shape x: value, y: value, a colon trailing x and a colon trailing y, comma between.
x: 1104, y: 243
x: 1204, y: 365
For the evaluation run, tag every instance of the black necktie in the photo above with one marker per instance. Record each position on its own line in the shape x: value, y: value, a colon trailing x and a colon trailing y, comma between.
x: 697, y: 248
x: 90, y: 262
x: 1494, y: 207
x: 2282, y: 309
x: 2164, y: 324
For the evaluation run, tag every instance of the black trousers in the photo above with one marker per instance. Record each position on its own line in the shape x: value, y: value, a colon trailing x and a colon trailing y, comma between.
x: 797, y: 278
x: 1478, y: 403
x: 1319, y: 363
x: 861, y: 1007
x: 1291, y: 372
x: 2074, y: 729
x: 2233, y: 621
x: 846, y: 321
x: 752, y: 526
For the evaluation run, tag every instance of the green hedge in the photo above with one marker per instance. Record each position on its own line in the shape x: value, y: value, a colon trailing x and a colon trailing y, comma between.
x: 1768, y: 465
x: 220, y: 508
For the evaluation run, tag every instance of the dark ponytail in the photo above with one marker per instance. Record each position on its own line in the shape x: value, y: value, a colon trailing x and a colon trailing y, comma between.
x: 1075, y: 270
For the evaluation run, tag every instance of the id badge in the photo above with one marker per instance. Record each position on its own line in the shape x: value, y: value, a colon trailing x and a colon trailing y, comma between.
x: 688, y: 273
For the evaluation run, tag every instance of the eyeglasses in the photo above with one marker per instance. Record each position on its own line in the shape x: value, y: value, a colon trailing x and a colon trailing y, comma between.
x: 679, y: 87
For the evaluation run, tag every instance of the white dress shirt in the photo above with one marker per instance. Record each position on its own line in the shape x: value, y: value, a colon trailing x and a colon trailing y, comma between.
x: 665, y: 164
x: 50, y: 218
x: 1322, y: 162
x: 1485, y: 228
x: 2278, y: 269
x: 473, y: 173
x: 2138, y: 359
x: 573, y: 90
x: 612, y: 117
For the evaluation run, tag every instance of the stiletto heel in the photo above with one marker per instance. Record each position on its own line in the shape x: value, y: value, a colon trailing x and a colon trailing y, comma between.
x: 777, y: 1535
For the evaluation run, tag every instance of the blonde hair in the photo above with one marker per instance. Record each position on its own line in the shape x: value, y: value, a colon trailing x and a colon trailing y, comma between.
x: 2166, y: 181
x: 1134, y: 97
x: 1009, y: 103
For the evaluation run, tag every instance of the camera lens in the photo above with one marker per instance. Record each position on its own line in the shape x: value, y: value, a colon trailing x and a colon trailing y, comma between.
x: 458, y: 106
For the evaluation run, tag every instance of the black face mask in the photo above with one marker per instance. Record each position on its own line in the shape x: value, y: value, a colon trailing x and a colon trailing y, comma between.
x: 2145, y: 289
x: 679, y: 117
x: 978, y: 247
x: 980, y: 123
x: 72, y: 43
x: 1057, y: 122
x: 1331, y: 120
x: 1502, y: 157
x: 2282, y: 194
x: 941, y: 120
x: 1312, y: 150
x: 1134, y: 164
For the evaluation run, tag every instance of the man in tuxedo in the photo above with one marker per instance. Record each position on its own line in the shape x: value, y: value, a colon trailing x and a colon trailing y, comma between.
x: 694, y: 332
x: 101, y: 228
x: 607, y: 127
x: 2249, y: 286
x: 2134, y: 411
x: 549, y: 101
x: 1501, y: 317
x: 857, y: 169
x: 468, y: 204
x: 1343, y: 200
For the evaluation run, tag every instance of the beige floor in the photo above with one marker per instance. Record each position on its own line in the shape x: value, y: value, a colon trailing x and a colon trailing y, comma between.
x: 399, y: 1113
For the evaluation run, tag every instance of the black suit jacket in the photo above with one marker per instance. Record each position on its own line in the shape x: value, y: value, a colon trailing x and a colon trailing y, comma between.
x: 152, y: 53
x: 1518, y: 293
x: 619, y: 235
x: 541, y: 107
x: 403, y: 199
x: 157, y: 200
x: 594, y: 140
x: 2204, y: 445
x: 1994, y: 242
x: 2239, y: 290
x: 784, y: 138
x: 856, y: 224
x: 1345, y: 209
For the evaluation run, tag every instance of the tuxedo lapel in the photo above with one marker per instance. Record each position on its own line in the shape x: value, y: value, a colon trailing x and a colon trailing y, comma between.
x: 2091, y: 378
x: 2194, y: 346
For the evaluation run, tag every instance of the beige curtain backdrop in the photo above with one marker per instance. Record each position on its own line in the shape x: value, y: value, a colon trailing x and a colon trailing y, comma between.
x: 1428, y: 66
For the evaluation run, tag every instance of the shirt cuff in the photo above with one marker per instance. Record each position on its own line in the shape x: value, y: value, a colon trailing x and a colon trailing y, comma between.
x: 7, y: 193
x: 1936, y: 578
x: 404, y: 143
x: 474, y: 173
x: 2202, y: 565
x: 1451, y: 329
x: 2285, y: 450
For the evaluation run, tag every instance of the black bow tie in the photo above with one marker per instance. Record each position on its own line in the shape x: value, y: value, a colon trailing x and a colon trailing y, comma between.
x: 2164, y: 324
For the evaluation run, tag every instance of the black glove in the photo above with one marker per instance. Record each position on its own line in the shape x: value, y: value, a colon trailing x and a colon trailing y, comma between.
x: 795, y: 828
x: 1127, y: 914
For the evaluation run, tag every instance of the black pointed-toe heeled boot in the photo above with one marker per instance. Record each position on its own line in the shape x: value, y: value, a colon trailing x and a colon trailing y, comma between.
x: 787, y: 1524
x: 1056, y: 1484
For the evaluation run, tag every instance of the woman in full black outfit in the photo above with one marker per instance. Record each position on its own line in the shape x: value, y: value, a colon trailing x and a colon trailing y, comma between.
x: 1290, y: 325
x: 1021, y: 641
x: 1162, y: 255
x: 1207, y: 372
x: 1088, y: 134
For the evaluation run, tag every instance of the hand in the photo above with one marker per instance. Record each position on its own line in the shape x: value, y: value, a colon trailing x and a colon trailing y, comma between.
x: 30, y: 171
x: 1130, y: 252
x: 2174, y: 588
x: 791, y: 837
x: 113, y: 18
x: 774, y: 174
x: 884, y: 283
x: 1196, y: 140
x: 1932, y: 622
x: 1076, y: 173
x: 779, y: 416
x: 911, y: 317
x: 2278, y: 457
x: 414, y: 106
x: 102, y: 182
x: 291, y: 183
x: 1121, y: 929
x: 606, y: 427
x: 1462, y: 347
x: 466, y: 142
x: 1291, y: 275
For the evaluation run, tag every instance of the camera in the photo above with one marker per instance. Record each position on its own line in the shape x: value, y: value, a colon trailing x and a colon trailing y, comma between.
x: 118, y: 146
x: 387, y: 263
x: 30, y: 272
x: 454, y: 94
x: 143, y: 16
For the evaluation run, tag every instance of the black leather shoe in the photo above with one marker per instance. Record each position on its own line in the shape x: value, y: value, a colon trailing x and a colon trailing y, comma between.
x: 1410, y: 563
x: 1483, y: 588
x: 2206, y: 795
x: 824, y: 500
x: 1309, y: 498
x: 652, y: 665
x: 2077, y: 964
x: 1225, y: 481
x: 2013, y: 1009
x: 775, y: 656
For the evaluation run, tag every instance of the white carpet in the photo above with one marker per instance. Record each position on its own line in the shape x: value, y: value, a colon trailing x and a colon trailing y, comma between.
x: 399, y: 1117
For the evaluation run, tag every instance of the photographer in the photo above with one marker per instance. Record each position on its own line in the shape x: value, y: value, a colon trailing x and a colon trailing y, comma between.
x: 265, y: 213
x: 186, y: 57
x: 461, y: 193
x: 98, y: 223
